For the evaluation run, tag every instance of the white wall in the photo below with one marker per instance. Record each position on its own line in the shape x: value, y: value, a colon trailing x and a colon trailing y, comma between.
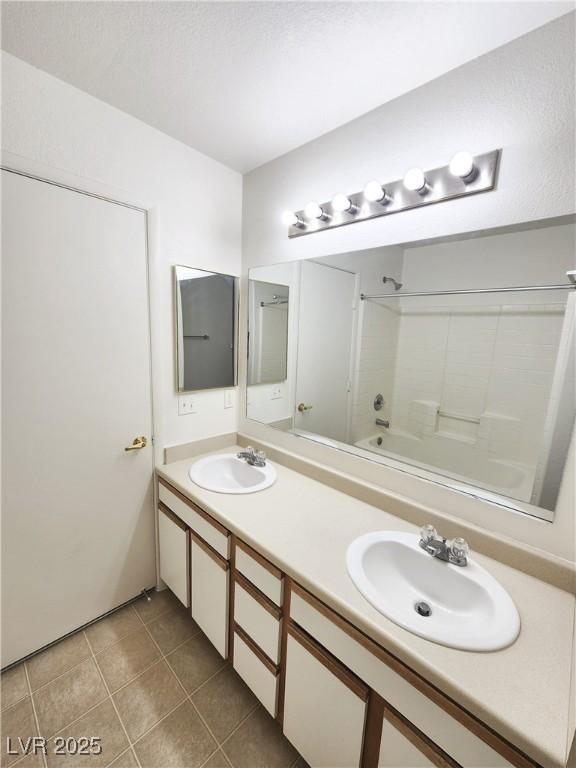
x: 61, y: 133
x: 520, y: 98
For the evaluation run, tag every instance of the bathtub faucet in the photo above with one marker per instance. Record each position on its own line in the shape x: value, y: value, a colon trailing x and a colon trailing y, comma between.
x: 454, y: 551
x: 383, y: 423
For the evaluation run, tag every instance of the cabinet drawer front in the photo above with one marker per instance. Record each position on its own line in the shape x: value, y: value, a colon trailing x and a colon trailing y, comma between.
x: 450, y: 735
x: 323, y: 717
x: 210, y: 597
x: 211, y: 531
x: 174, y: 560
x: 262, y: 574
x: 262, y: 681
x: 396, y: 751
x: 260, y: 624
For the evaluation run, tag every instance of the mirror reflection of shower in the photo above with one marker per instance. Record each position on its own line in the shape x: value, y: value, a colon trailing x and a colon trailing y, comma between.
x: 473, y: 363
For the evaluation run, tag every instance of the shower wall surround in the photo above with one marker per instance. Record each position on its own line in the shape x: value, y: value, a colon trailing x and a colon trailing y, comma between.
x: 519, y: 97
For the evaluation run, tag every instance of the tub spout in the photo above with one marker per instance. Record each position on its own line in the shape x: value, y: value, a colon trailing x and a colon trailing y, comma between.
x: 383, y: 423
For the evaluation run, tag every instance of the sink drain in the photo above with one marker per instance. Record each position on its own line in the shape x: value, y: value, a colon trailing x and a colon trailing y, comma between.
x: 423, y: 608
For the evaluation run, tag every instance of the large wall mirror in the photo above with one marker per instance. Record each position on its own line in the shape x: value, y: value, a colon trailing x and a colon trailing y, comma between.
x: 453, y: 359
x: 205, y: 329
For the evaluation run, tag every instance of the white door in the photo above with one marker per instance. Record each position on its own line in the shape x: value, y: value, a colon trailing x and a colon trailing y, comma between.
x: 326, y: 321
x: 77, y: 510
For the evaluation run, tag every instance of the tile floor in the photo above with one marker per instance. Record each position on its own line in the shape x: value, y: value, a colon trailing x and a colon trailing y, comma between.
x: 151, y: 686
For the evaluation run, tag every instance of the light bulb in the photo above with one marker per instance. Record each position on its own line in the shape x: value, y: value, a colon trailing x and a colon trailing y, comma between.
x: 341, y: 203
x: 314, y: 211
x: 375, y: 192
x: 415, y: 180
x: 291, y: 219
x: 462, y: 165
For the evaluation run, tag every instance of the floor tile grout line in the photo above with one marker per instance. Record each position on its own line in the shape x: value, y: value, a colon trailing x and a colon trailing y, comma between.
x: 15, y: 703
x: 83, y: 632
x: 188, y: 695
x: 112, y: 700
x: 90, y: 654
x: 241, y: 723
x: 33, y: 704
x: 74, y: 666
x: 128, y: 749
x: 203, y: 683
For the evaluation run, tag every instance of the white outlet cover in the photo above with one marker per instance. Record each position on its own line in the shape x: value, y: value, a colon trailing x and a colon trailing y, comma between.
x: 186, y: 405
x: 228, y: 398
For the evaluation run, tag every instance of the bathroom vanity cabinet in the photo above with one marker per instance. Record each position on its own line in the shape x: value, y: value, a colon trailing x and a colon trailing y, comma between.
x: 341, y: 698
x: 194, y: 554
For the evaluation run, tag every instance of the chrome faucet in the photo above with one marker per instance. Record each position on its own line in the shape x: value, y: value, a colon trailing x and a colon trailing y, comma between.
x: 454, y: 551
x: 252, y: 456
x: 383, y: 423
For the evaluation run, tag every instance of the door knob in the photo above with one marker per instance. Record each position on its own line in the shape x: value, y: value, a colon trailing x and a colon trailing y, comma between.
x: 302, y: 407
x: 137, y: 444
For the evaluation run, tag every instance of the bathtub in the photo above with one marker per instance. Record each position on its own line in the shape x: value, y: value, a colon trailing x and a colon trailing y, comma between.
x: 458, y: 459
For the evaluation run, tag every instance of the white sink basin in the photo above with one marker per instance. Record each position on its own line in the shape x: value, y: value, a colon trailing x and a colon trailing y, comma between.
x: 469, y: 608
x: 226, y: 473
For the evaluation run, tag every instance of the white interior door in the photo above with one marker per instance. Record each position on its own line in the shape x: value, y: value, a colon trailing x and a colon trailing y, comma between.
x: 77, y: 516
x: 326, y: 321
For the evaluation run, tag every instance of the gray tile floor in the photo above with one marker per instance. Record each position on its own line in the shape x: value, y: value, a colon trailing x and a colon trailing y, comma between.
x: 151, y: 686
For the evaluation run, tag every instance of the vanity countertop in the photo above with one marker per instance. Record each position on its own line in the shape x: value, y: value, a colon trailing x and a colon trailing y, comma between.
x: 305, y: 527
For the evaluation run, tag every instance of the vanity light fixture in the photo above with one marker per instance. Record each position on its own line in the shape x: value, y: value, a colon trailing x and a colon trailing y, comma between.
x: 415, y: 181
x: 342, y: 204
x: 374, y: 192
x: 314, y: 211
x: 462, y: 166
x: 464, y: 175
x: 291, y: 219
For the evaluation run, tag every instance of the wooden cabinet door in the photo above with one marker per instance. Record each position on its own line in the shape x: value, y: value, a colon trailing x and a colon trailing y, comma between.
x: 209, y: 577
x: 174, y: 554
x: 324, y: 705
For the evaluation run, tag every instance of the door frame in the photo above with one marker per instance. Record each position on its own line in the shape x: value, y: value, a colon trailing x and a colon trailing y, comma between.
x: 31, y: 169
x: 353, y: 340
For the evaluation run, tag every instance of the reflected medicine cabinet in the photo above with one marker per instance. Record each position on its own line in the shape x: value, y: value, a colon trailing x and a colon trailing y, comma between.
x: 206, y: 329
x: 267, y: 332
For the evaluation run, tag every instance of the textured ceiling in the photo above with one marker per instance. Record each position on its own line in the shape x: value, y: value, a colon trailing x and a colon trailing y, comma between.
x: 245, y: 82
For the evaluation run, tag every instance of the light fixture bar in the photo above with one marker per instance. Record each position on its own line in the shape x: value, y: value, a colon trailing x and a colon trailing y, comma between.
x: 441, y: 184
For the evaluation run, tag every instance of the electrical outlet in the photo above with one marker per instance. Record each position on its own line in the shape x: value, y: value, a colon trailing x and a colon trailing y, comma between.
x: 186, y: 405
x: 228, y: 398
x: 276, y: 393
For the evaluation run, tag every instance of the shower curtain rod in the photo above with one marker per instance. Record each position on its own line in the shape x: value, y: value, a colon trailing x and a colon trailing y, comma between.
x: 562, y: 286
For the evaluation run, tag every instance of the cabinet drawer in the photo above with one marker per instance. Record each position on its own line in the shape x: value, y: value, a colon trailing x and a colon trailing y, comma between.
x: 258, y: 617
x: 209, y: 579
x: 374, y: 666
x: 259, y: 571
x: 258, y: 674
x: 174, y: 554
x: 195, y: 518
x: 324, y: 706
x: 401, y: 746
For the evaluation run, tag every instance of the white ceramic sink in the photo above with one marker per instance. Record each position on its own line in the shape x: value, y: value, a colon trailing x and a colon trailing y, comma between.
x: 226, y: 473
x: 470, y: 610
